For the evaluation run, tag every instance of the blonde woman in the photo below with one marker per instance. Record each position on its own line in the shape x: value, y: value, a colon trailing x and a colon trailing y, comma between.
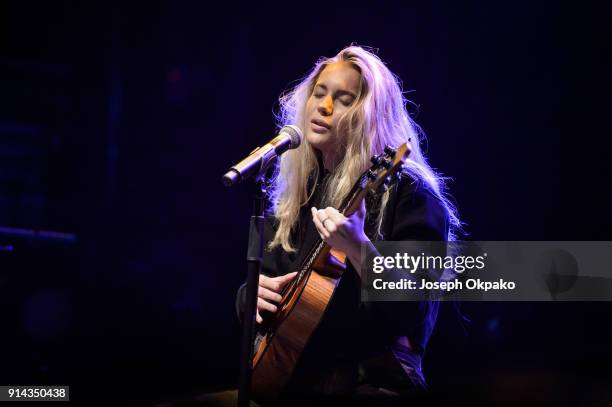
x: 350, y: 107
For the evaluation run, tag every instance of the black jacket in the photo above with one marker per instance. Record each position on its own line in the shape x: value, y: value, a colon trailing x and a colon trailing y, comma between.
x: 364, y: 343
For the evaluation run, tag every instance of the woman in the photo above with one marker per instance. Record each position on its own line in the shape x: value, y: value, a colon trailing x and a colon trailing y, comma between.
x: 350, y: 107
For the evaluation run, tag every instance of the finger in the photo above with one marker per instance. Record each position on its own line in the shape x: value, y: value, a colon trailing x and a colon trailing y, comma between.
x: 270, y: 283
x: 336, y: 216
x: 276, y: 284
x: 269, y: 295
x: 333, y: 212
x: 258, y: 317
x: 327, y: 223
x: 329, y: 226
x: 320, y: 228
x: 322, y: 214
x: 265, y: 305
x: 283, y: 280
x: 314, y: 212
x: 289, y: 276
x: 263, y: 278
x: 317, y: 222
x: 338, y: 219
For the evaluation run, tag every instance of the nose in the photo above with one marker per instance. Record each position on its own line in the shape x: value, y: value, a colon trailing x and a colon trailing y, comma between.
x: 326, y: 106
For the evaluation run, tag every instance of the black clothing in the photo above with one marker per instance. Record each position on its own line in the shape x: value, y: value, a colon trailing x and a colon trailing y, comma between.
x: 363, y: 345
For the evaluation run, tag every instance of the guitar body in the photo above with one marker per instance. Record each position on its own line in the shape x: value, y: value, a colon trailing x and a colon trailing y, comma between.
x: 300, y: 312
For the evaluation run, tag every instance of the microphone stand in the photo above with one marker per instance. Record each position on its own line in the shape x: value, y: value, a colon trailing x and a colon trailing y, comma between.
x: 254, y: 256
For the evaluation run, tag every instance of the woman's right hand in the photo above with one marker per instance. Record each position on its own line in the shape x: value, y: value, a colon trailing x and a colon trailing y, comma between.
x: 268, y: 293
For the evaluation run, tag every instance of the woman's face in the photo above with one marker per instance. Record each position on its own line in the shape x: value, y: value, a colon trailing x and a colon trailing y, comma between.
x: 335, y: 90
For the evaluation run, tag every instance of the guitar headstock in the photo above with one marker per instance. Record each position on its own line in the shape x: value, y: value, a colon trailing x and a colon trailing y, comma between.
x: 385, y: 167
x: 378, y: 177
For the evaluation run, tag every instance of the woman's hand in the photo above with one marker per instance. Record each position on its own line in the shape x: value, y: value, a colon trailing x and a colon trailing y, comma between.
x: 342, y: 233
x: 269, y: 292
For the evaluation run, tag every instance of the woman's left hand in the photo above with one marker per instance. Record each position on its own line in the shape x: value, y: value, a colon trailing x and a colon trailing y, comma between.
x: 340, y: 232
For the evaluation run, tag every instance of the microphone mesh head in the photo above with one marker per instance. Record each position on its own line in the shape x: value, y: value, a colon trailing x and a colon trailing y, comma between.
x: 295, y: 133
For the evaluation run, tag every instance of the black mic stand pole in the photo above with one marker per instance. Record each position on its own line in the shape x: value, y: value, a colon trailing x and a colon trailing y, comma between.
x: 254, y: 255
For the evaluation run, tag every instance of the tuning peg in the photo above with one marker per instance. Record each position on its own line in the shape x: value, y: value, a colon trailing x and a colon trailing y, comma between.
x: 371, y: 175
x: 390, y: 151
x: 384, y: 186
x: 387, y: 164
x: 376, y: 159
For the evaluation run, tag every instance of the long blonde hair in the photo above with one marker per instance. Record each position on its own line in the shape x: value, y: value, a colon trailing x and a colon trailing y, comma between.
x: 376, y: 119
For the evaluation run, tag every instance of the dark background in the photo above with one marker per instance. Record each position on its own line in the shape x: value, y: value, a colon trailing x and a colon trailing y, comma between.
x: 117, y: 122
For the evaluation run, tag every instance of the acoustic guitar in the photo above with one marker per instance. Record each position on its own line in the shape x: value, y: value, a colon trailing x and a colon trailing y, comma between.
x: 279, y: 344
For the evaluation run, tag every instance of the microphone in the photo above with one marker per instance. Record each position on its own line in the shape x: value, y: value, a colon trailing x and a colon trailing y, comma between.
x: 288, y: 138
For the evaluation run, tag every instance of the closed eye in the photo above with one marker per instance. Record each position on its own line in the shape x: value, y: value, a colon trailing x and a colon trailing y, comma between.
x: 345, y: 97
x: 347, y: 101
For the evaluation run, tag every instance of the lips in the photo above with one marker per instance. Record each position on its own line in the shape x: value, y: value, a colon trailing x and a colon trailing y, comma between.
x: 320, y: 125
